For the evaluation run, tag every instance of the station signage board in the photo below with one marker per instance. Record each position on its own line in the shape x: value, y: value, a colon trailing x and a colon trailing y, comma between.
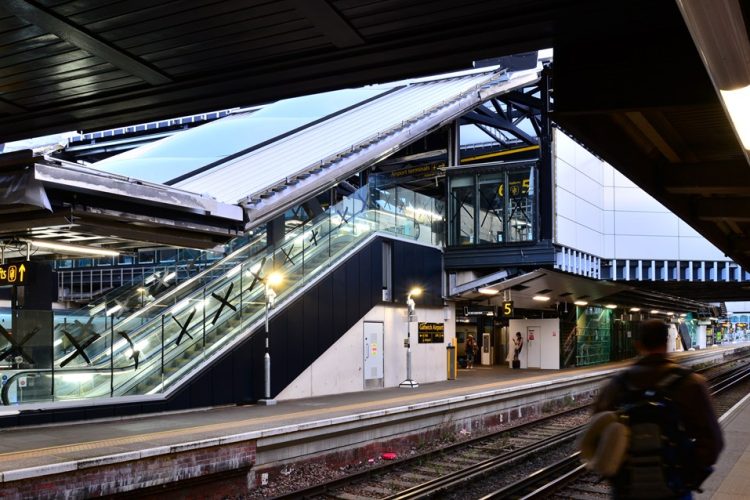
x: 431, y: 333
x: 477, y: 310
x: 507, y: 309
x: 15, y: 274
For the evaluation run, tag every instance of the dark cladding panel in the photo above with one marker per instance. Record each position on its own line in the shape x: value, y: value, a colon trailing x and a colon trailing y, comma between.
x: 296, y: 334
x: 201, y: 390
x: 339, y: 300
x: 376, y: 271
x: 325, y: 313
x: 417, y: 266
x: 279, y: 348
x: 311, y: 327
x: 223, y: 383
x: 366, y: 276
x: 352, y: 287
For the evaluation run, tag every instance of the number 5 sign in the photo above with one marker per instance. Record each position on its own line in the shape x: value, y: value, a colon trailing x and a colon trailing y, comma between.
x: 507, y: 311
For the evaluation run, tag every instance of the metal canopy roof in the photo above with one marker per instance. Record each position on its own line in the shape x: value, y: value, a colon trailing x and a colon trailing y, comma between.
x: 44, y: 198
x: 562, y: 287
x: 629, y: 82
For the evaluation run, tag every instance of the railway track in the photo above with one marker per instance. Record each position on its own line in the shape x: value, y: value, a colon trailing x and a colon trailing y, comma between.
x: 541, y: 453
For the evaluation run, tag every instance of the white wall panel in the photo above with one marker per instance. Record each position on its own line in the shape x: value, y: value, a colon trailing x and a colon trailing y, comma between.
x: 589, y: 165
x: 589, y: 190
x: 565, y: 176
x: 589, y: 215
x: 647, y: 224
x: 565, y: 147
x: 622, y: 181
x: 592, y: 241
x: 565, y: 202
x: 634, y: 199
x: 609, y: 246
x: 699, y: 248
x: 566, y: 233
x: 737, y: 307
x: 645, y: 247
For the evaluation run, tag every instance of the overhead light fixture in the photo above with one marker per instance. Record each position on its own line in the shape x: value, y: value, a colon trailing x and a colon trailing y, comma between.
x: 683, y: 315
x: 654, y: 311
x: 737, y: 103
x: 488, y: 291
x: 611, y: 306
x: 635, y: 309
x: 581, y: 303
x: 670, y: 314
x: 66, y: 247
x: 540, y: 298
x: 720, y: 34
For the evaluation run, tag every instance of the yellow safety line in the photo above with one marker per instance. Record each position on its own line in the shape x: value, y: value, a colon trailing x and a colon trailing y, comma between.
x: 500, y: 153
x: 139, y: 438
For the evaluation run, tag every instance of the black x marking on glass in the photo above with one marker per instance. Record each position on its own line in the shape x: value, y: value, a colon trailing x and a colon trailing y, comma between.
x: 85, y: 328
x: 224, y: 302
x: 184, y: 328
x: 288, y: 254
x: 344, y: 220
x: 314, y: 237
x: 492, y: 208
x: 256, y: 275
x: 80, y: 347
x: 135, y: 354
x: 17, y: 347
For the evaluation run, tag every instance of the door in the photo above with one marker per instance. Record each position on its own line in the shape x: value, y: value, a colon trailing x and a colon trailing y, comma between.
x: 534, y: 346
x: 373, y: 354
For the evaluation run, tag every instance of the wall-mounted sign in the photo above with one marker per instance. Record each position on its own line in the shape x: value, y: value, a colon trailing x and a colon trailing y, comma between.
x: 477, y: 310
x: 507, y: 309
x: 431, y: 333
x: 14, y: 274
x: 418, y: 171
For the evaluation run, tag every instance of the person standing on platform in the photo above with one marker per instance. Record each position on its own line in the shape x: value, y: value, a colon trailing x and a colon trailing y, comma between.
x: 471, y: 351
x: 517, y: 346
x: 690, y: 411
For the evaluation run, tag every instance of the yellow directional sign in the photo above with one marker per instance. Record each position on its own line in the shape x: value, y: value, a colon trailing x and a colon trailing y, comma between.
x: 14, y: 274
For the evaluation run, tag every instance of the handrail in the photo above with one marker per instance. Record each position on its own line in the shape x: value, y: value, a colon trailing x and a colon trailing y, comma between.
x: 191, y: 329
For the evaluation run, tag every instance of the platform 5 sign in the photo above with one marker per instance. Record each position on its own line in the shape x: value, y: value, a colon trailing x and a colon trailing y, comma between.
x: 14, y: 274
x: 431, y: 333
x: 507, y: 309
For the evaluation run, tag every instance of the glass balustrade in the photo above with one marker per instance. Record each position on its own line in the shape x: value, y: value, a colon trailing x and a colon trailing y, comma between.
x: 155, y: 348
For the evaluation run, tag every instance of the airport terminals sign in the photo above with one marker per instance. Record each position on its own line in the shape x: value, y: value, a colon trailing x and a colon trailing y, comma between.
x: 431, y: 333
x: 14, y: 274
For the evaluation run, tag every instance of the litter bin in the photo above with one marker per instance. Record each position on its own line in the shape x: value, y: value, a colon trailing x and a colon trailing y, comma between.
x: 450, y: 350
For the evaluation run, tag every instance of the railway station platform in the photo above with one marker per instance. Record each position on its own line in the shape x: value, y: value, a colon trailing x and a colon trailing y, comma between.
x: 730, y: 479
x: 237, y: 444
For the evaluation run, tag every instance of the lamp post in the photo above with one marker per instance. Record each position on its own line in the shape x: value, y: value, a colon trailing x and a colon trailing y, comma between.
x: 410, y: 305
x: 273, y: 279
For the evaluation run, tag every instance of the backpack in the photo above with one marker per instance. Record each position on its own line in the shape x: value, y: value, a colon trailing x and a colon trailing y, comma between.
x: 659, y: 450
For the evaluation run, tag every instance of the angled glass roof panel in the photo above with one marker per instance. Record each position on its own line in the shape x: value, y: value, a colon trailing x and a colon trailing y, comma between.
x: 182, y: 153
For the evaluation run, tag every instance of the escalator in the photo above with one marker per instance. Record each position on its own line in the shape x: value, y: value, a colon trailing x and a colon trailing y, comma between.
x: 161, y: 346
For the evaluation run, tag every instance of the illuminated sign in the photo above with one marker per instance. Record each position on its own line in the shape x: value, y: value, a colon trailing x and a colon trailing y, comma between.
x: 418, y: 171
x: 14, y: 274
x: 507, y: 309
x: 431, y: 333
x: 516, y: 188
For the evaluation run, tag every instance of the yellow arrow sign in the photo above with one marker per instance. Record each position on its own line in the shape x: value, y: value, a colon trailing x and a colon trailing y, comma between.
x: 21, y: 270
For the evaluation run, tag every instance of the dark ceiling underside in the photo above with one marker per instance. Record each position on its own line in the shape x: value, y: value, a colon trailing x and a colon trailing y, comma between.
x: 628, y: 82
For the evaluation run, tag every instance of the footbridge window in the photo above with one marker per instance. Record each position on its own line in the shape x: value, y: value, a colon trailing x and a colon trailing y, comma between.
x: 494, y: 206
